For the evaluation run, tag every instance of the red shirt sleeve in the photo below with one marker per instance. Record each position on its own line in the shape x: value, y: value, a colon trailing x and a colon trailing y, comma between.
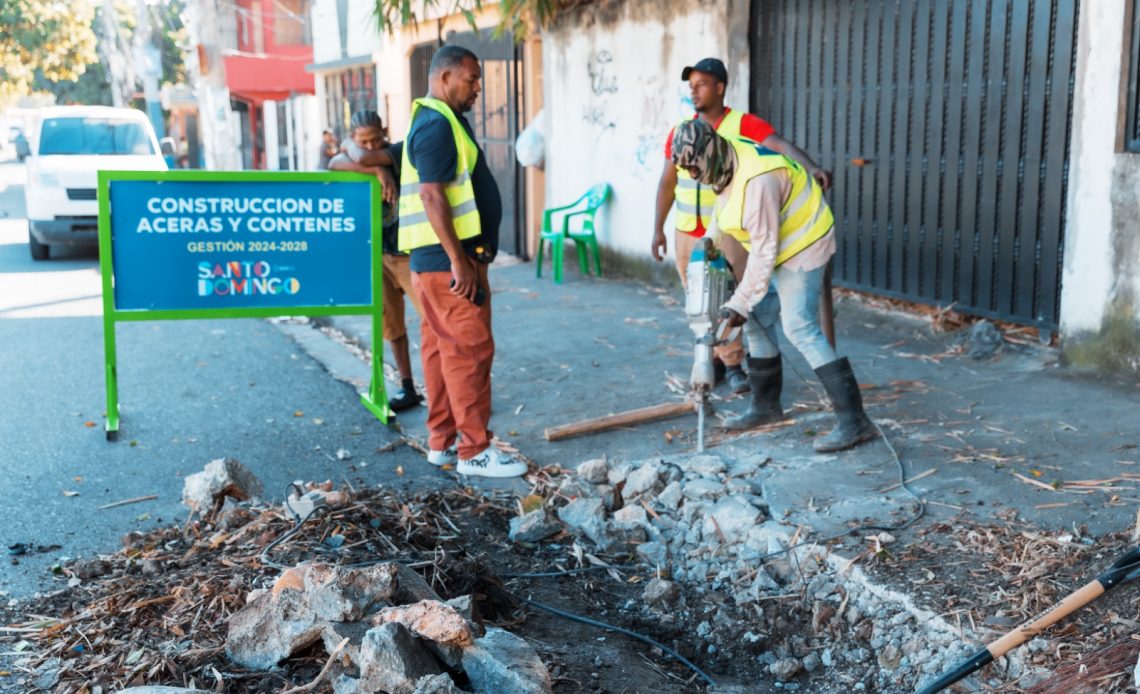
x: 669, y: 145
x: 755, y: 128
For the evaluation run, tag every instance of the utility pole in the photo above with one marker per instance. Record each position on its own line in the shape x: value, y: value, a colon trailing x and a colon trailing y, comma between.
x: 110, y: 46
x: 148, y: 62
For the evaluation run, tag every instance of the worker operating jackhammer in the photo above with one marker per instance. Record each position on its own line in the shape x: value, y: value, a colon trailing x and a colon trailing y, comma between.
x: 776, y: 210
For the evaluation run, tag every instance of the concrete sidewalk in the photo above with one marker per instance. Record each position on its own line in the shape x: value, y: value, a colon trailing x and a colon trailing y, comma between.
x: 980, y: 437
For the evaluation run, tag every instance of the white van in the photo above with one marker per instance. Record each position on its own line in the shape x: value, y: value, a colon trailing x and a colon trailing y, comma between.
x: 69, y: 145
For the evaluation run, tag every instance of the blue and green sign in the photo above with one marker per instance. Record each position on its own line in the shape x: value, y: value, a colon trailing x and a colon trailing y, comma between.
x: 193, y: 245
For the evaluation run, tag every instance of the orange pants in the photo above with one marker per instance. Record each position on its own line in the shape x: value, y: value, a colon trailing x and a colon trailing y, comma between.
x: 732, y: 354
x: 457, y: 348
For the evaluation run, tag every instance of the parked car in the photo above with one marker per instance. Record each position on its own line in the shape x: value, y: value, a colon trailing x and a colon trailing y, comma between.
x: 70, y: 144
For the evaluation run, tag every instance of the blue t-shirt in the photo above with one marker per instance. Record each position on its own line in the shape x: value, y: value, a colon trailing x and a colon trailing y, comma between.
x: 431, y: 149
x: 391, y: 220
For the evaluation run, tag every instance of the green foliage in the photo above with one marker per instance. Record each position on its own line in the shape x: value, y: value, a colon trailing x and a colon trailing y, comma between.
x: 1115, y: 348
x: 93, y: 85
x: 520, y: 17
x: 47, y: 36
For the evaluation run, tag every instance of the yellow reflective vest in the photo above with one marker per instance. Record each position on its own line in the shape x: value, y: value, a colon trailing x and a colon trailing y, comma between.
x: 415, y: 229
x: 805, y: 216
x: 695, y: 201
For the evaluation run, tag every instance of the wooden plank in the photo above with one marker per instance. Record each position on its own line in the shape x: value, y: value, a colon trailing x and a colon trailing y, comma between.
x: 621, y: 419
x: 1053, y: 206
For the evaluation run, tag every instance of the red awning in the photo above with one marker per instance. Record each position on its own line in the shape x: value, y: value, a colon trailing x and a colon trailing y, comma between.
x: 269, y: 77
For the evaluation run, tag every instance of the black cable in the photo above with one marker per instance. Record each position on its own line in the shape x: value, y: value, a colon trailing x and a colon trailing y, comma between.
x: 568, y: 572
x: 621, y: 630
x: 264, y: 557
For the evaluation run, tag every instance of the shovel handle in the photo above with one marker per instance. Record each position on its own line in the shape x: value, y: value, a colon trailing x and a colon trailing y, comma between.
x: 1075, y: 601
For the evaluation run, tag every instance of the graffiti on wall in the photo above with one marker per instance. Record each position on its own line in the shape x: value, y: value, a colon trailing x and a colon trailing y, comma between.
x: 602, y: 78
x: 603, y: 84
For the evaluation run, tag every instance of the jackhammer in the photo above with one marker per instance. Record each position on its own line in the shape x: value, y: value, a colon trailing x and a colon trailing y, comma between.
x: 709, y: 283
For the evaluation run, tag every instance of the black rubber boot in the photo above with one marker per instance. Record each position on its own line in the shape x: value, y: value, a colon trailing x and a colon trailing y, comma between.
x: 737, y: 379
x: 766, y: 377
x: 854, y: 427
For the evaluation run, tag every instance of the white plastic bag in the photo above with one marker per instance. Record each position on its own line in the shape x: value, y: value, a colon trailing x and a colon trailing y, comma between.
x: 530, y: 146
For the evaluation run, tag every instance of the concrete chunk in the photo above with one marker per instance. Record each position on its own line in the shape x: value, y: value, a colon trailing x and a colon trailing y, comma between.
x: 502, y: 662
x: 220, y: 478
x: 587, y: 517
x: 392, y: 660
x: 432, y: 620
x: 734, y: 516
x: 293, y: 614
x: 594, y: 471
x: 532, y: 527
x: 436, y: 684
x: 644, y: 479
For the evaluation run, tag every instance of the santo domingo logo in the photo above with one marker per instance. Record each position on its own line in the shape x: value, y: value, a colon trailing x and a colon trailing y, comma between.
x: 243, y: 278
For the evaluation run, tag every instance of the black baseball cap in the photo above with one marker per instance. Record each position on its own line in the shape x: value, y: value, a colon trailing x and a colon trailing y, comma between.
x: 709, y: 66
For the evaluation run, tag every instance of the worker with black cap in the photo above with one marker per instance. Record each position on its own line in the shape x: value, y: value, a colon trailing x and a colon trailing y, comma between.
x: 707, y: 80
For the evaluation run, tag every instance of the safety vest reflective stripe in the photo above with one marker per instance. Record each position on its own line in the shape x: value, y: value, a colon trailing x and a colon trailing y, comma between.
x: 456, y: 211
x: 695, y: 201
x: 416, y: 230
x: 804, y: 217
x: 413, y: 188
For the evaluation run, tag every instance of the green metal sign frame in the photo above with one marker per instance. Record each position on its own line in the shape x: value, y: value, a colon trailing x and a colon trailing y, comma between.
x: 375, y: 399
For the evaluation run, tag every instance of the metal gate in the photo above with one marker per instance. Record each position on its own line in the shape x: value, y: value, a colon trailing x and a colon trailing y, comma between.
x: 495, y: 120
x: 947, y: 125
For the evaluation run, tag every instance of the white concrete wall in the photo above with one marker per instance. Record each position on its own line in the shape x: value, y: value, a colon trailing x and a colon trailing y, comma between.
x: 613, y: 91
x: 1102, y: 232
x: 362, y: 36
x: 393, y: 69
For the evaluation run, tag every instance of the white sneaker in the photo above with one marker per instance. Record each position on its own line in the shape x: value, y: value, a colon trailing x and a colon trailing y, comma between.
x: 447, y: 456
x: 492, y: 463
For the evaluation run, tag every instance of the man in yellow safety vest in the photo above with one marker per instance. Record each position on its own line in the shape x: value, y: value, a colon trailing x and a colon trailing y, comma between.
x: 450, y: 211
x: 707, y: 80
x: 775, y: 208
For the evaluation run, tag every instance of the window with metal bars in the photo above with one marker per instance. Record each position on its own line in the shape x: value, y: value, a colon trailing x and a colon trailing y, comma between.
x: 1132, y: 122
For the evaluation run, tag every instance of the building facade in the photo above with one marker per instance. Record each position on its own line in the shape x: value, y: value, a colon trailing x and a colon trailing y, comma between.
x: 256, y: 100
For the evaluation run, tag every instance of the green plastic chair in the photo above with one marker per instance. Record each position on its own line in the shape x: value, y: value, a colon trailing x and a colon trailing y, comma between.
x: 583, y: 238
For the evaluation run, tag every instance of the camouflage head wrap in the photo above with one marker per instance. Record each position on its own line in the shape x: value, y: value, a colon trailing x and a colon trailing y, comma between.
x: 697, y: 145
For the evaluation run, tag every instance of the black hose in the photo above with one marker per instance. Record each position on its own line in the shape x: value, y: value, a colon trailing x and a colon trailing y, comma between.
x: 621, y: 630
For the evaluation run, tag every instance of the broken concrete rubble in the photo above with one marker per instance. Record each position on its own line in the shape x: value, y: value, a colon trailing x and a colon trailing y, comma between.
x: 224, y: 477
x: 707, y: 525
x: 586, y: 516
x: 392, y: 660
x: 432, y: 620
x: 303, y: 600
x: 503, y: 662
x: 533, y: 527
x: 400, y: 636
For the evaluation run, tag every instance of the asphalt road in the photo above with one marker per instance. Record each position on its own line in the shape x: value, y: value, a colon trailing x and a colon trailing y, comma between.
x: 190, y: 392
